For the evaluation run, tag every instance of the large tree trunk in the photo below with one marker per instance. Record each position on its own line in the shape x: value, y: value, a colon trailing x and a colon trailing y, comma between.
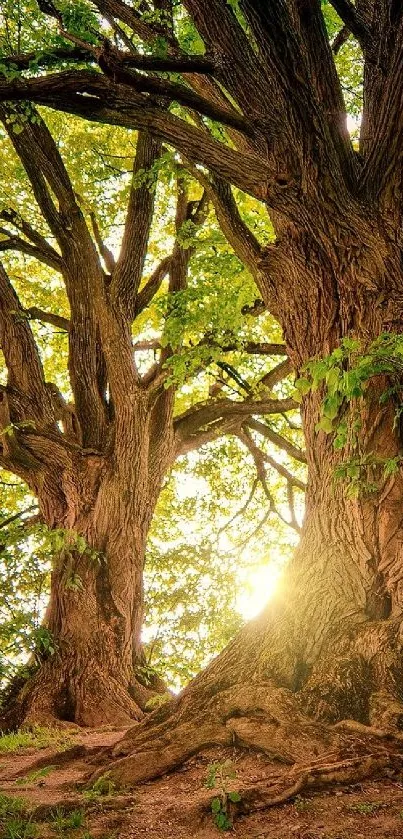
x: 90, y: 662
x: 328, y: 647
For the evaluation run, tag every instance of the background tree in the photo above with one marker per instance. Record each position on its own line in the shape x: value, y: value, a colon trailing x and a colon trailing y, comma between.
x: 260, y: 106
x: 210, y: 551
x: 93, y: 432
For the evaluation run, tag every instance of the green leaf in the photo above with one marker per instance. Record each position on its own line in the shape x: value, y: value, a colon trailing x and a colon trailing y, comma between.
x: 391, y: 466
x: 325, y: 425
x: 234, y: 797
x: 331, y: 406
x: 303, y: 386
x: 216, y: 805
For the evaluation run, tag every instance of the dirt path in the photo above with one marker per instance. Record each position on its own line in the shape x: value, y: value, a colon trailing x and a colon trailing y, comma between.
x: 54, y: 784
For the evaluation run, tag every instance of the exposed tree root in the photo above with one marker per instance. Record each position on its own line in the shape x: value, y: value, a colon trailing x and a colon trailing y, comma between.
x: 349, y: 771
x: 339, y: 722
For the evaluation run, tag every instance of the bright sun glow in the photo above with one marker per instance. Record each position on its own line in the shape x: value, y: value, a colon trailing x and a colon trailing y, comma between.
x: 258, y: 588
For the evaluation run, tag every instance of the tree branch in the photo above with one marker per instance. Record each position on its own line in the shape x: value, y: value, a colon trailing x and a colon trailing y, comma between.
x: 273, y: 377
x: 25, y: 372
x: 149, y: 290
x: 14, y: 243
x: 278, y: 467
x: 17, y: 516
x: 106, y: 254
x: 277, y: 439
x: 26, y: 148
x: 14, y: 218
x: 205, y: 414
x: 350, y: 17
x: 44, y: 60
x: 127, y: 274
x: 48, y: 317
x: 113, y: 67
x: 97, y: 98
x: 240, y: 237
x: 259, y: 462
x: 80, y: 264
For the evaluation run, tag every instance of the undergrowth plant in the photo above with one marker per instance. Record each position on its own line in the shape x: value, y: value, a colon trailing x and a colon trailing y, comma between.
x: 62, y: 821
x: 103, y: 786
x: 35, y: 777
x: 218, y: 777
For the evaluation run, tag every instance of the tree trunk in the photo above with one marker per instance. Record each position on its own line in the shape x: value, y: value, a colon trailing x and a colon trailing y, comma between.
x: 90, y: 659
x: 327, y: 649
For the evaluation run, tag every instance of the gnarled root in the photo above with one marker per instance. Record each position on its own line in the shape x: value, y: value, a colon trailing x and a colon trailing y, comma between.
x: 316, y: 776
x: 356, y: 676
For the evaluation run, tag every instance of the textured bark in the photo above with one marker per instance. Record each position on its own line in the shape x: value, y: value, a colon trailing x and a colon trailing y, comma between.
x: 95, y: 613
x: 327, y: 649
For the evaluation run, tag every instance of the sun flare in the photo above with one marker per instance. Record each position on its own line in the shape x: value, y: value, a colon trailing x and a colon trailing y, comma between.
x: 258, y: 587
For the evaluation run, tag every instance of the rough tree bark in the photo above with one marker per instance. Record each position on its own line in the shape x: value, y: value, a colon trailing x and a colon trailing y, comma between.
x: 94, y: 673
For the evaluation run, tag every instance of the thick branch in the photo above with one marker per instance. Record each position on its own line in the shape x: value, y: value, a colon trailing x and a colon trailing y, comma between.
x: 348, y: 14
x: 202, y: 438
x: 202, y: 415
x: 107, y: 255
x: 66, y: 55
x: 134, y: 19
x: 15, y: 243
x: 277, y: 439
x: 113, y: 67
x: 48, y: 317
x: 152, y: 285
x: 273, y: 377
x: 129, y: 267
x: 25, y: 373
x: 26, y: 149
x: 13, y: 217
x: 81, y: 269
x: 97, y: 98
x: 240, y: 237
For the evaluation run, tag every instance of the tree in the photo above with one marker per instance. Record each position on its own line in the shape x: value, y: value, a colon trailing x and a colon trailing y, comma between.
x: 207, y: 552
x: 267, y: 115
x: 94, y: 433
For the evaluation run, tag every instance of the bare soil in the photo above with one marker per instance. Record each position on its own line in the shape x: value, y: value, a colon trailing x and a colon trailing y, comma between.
x: 177, y: 806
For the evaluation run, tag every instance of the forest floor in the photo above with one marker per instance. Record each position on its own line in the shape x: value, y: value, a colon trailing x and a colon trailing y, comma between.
x: 59, y: 801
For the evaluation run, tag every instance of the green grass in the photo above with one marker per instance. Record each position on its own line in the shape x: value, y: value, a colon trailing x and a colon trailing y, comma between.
x: 10, y: 806
x: 36, y: 776
x: 36, y: 738
x: 15, y: 821
x: 366, y: 808
x: 19, y: 828
x: 102, y: 786
x: 62, y: 821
